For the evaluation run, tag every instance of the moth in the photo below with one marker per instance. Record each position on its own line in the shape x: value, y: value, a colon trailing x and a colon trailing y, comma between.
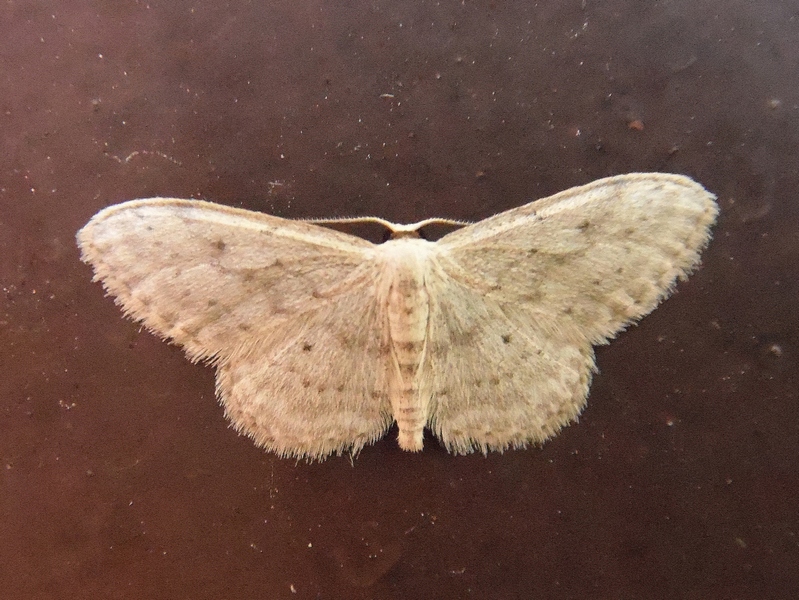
x: 322, y: 340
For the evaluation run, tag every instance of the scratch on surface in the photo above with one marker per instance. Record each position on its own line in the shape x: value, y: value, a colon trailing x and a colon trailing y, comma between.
x: 134, y: 154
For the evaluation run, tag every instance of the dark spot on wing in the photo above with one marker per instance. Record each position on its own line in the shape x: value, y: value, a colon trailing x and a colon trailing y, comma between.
x: 306, y: 347
x: 464, y: 337
x: 408, y: 369
x: 347, y: 341
x: 506, y: 338
x: 219, y: 245
x: 411, y: 346
x: 408, y: 285
x: 532, y: 297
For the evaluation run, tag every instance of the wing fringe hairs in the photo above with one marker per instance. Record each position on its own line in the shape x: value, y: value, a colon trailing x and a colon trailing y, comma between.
x: 322, y: 340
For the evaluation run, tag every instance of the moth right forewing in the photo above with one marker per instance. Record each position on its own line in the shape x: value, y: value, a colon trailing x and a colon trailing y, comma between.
x: 598, y: 256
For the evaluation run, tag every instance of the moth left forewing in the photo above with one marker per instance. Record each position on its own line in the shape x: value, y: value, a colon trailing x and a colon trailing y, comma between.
x: 211, y: 277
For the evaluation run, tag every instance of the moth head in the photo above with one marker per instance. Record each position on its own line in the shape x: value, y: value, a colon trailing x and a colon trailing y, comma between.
x: 396, y: 231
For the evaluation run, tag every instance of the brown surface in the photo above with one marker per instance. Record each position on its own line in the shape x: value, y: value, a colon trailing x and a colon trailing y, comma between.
x: 120, y: 478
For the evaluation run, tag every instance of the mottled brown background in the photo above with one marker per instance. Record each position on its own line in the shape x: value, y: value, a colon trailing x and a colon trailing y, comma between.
x: 120, y: 477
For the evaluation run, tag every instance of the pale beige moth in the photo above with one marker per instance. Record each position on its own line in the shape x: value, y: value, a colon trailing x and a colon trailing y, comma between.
x: 322, y: 340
